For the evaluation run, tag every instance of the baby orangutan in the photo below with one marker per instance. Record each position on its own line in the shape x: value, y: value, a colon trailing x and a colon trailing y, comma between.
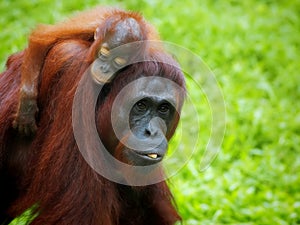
x: 103, y: 28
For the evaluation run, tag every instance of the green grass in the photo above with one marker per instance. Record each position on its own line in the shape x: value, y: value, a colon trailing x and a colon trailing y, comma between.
x: 253, y: 47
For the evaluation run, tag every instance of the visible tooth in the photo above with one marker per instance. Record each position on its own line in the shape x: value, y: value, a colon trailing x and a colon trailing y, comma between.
x: 153, y: 155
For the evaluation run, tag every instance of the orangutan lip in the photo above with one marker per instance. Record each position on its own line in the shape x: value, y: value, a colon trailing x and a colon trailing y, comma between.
x: 149, y: 156
x: 152, y: 155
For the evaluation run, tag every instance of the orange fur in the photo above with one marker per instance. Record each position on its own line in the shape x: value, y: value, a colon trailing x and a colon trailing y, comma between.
x: 48, y: 170
x: 44, y: 37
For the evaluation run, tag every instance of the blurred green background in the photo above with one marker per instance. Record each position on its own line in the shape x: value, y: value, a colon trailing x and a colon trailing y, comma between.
x: 253, y: 48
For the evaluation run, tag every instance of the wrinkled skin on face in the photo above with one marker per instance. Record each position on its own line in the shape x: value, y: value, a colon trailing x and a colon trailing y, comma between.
x: 143, y: 117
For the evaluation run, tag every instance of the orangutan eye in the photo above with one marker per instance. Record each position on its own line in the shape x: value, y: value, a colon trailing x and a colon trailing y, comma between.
x: 164, y: 108
x: 141, y: 106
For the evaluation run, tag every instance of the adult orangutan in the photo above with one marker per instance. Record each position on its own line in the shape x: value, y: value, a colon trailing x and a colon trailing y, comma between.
x: 51, y: 172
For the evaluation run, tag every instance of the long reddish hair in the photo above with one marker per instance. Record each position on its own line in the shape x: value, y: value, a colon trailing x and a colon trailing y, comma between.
x: 49, y: 171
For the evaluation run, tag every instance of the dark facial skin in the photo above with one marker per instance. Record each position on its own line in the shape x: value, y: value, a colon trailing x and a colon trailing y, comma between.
x: 110, y: 61
x: 142, y: 117
x: 149, y: 121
